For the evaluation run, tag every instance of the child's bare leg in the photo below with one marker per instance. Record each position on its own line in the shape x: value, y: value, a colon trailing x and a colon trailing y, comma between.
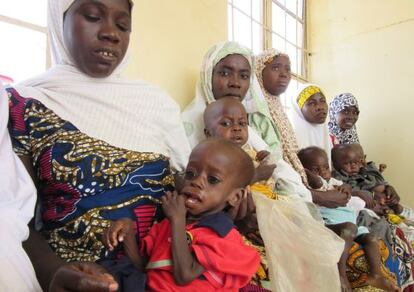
x: 372, y: 254
x: 347, y: 231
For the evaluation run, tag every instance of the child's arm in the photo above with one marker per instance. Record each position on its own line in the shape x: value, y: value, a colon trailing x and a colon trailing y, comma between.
x: 122, y: 230
x: 314, y: 180
x: 186, y: 268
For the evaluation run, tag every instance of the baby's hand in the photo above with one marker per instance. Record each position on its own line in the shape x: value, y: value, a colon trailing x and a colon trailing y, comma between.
x: 344, y: 188
x: 262, y: 155
x: 314, y: 180
x: 117, y: 232
x: 382, y: 167
x: 173, y: 205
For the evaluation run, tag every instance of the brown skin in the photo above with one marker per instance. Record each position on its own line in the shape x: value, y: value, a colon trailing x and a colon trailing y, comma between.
x: 347, y: 118
x: 315, y: 109
x: 231, y: 77
x: 227, y: 119
x: 93, y: 27
x: 90, y: 28
x: 276, y: 75
x: 316, y: 161
x: 213, y: 181
x: 347, y: 231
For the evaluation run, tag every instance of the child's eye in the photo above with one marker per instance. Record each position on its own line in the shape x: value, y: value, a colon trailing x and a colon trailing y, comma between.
x: 243, y: 124
x: 189, y: 174
x: 225, y: 124
x: 213, y: 180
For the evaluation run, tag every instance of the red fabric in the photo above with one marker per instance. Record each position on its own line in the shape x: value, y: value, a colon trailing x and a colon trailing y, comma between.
x: 229, y: 264
x: 334, y: 140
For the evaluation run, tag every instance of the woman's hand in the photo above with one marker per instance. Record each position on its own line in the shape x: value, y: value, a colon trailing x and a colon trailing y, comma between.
x: 330, y: 199
x: 173, y: 205
x: 81, y: 277
x: 262, y: 155
x: 117, y: 232
x: 392, y: 198
x: 367, y: 197
x: 263, y: 172
x: 245, y: 208
x: 344, y: 188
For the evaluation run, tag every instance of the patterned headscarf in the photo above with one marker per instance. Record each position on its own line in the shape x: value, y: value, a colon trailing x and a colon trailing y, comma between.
x: 193, y: 114
x: 278, y: 116
x: 338, y: 104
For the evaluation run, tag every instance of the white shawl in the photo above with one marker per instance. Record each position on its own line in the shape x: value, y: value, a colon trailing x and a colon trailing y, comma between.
x: 17, y: 201
x: 133, y: 115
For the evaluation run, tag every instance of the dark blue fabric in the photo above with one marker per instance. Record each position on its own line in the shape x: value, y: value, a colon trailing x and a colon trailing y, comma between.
x: 220, y: 222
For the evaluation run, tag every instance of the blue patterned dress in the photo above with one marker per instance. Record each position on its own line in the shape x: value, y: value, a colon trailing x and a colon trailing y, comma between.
x: 83, y: 182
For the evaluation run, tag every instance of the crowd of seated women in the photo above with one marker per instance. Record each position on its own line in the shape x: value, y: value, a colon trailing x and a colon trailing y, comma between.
x: 231, y: 194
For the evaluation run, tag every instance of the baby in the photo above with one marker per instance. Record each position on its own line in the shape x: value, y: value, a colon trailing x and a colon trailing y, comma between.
x: 351, y: 167
x: 196, y: 248
x: 227, y: 119
x: 342, y: 220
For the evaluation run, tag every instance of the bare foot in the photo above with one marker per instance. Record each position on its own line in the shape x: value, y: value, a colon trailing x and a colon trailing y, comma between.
x: 382, y: 283
x: 345, y: 285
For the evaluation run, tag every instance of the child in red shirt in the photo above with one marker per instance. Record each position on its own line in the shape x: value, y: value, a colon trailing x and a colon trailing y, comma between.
x: 196, y: 248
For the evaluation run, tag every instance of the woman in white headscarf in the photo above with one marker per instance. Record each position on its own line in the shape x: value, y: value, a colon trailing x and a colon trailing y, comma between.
x: 308, y: 118
x: 100, y: 147
x: 238, y: 76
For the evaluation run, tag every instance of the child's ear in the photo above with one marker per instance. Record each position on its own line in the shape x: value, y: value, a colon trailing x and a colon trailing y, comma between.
x: 207, y: 133
x: 236, y: 196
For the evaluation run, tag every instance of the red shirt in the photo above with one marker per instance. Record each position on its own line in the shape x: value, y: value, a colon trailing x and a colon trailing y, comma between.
x: 229, y: 264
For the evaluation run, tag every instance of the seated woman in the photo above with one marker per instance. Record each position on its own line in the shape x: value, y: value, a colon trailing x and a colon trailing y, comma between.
x: 226, y: 71
x: 98, y: 146
x: 308, y: 118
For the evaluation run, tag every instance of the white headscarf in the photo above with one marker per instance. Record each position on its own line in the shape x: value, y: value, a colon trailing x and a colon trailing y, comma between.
x: 17, y: 201
x: 133, y: 115
x: 193, y: 113
x: 308, y: 134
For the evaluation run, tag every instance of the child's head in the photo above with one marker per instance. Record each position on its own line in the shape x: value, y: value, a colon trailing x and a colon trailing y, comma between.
x: 360, y: 152
x: 312, y: 104
x: 226, y: 118
x: 346, y: 157
x: 216, y: 176
x: 316, y: 161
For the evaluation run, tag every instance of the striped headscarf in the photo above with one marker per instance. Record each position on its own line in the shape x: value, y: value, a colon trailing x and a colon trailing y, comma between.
x: 338, y: 104
x: 271, y: 106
